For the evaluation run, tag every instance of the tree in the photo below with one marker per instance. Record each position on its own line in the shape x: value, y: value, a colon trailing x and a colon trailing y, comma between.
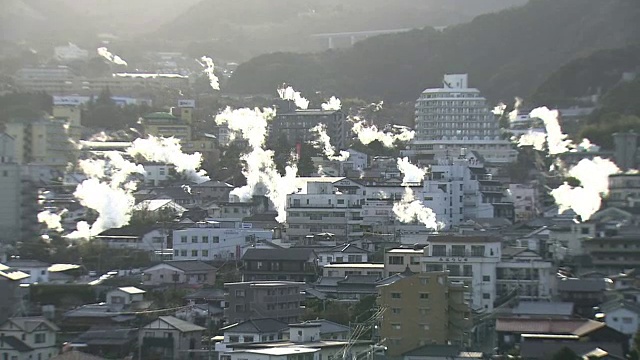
x: 565, y: 354
x: 634, y: 353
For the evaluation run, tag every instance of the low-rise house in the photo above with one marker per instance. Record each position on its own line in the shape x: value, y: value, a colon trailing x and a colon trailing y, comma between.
x: 192, y: 273
x: 622, y: 315
x: 350, y: 287
x: 38, y: 271
x: 258, y: 330
x: 346, y: 253
x: 511, y: 330
x: 540, y: 347
x: 10, y: 291
x: 279, y: 300
x: 84, y: 317
x: 113, y: 342
x: 28, y: 338
x: 584, y: 293
x: 124, y: 296
x: 440, y: 352
x: 168, y: 337
x: 212, y: 190
x: 330, y: 330
x: 280, y: 264
x: 304, y: 343
x: 342, y: 270
x: 543, y: 309
x: 139, y: 237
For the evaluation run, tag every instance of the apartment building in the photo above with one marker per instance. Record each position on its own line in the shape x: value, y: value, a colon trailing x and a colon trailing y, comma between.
x: 421, y: 309
x: 207, y: 241
x: 454, y: 117
x: 162, y: 124
x: 280, y: 300
x: 325, y: 204
x: 398, y: 260
x: 526, y: 274
x: 296, y: 125
x: 42, y: 141
x: 292, y: 264
x: 624, y: 190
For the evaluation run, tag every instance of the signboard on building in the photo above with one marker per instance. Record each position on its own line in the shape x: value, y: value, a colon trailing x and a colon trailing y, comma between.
x: 70, y: 100
x: 247, y: 225
x: 186, y: 103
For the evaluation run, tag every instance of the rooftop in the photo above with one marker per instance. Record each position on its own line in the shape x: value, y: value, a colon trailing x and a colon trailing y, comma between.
x: 543, y: 308
x: 354, y: 266
x: 257, y: 326
x: 578, y: 327
x: 291, y: 254
x: 186, y: 265
x: 282, y: 351
x: 180, y: 325
x: 131, y: 290
x: 582, y: 285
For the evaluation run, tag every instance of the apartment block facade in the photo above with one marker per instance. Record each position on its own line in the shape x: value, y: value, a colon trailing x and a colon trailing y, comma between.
x: 249, y: 300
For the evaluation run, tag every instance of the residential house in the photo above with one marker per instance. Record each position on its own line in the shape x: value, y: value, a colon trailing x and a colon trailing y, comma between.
x: 74, y: 354
x: 526, y: 273
x: 341, y: 270
x: 348, y: 288
x: 38, y: 271
x: 123, y: 297
x: 87, y: 316
x: 112, y: 342
x: 213, y: 190
x: 441, y: 352
x: 622, y: 315
x: 10, y: 291
x: 280, y: 300
x: 191, y: 273
x: 541, y: 347
x: 208, y: 309
x: 257, y: 330
x: 422, y: 308
x: 584, y: 293
x: 347, y: 253
x: 397, y: 260
x: 150, y: 238
x: 168, y: 337
x: 280, y: 264
x: 303, y: 341
x: 543, y: 309
x: 164, y: 205
x: 330, y: 330
x: 28, y: 338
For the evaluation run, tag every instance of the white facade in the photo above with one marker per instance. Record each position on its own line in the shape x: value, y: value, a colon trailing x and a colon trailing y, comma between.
x: 455, y: 117
x: 525, y: 201
x: 10, y: 191
x: 207, y: 242
x: 156, y: 174
x: 38, y: 271
x: 472, y: 260
x: 527, y: 273
x: 338, y: 255
x: 123, y: 296
x: 36, y: 332
x: 154, y: 240
x: 325, y: 204
x: 623, y: 319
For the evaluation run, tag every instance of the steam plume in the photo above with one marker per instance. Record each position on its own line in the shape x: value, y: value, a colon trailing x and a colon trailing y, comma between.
x: 290, y: 94
x: 169, y: 151
x: 207, y: 63
x: 115, y: 59
x: 367, y: 134
x: 499, y: 109
x: 324, y: 141
x: 513, y: 115
x: 333, y: 104
x: 259, y: 169
x: 586, y: 199
x: 52, y: 220
x: 411, y: 172
x: 409, y: 209
x: 557, y: 142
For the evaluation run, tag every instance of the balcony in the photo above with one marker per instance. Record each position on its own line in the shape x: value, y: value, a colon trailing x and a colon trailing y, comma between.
x: 450, y: 253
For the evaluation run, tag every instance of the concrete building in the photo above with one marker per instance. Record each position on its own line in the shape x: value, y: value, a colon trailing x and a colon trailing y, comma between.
x: 454, y: 117
x: 296, y: 126
x: 166, y: 125
x: 337, y: 270
x: 28, y: 338
x: 399, y: 259
x: 42, y: 141
x: 624, y: 190
x: 626, y: 150
x: 325, y: 204
x: 168, y: 337
x: 191, y: 273
x: 207, y: 241
x: 524, y: 273
x: 525, y: 201
x: 420, y: 309
x: 345, y: 253
x: 622, y: 315
x: 38, y: 271
x: 10, y: 291
x: 280, y: 300
x: 289, y: 264
x: 11, y: 192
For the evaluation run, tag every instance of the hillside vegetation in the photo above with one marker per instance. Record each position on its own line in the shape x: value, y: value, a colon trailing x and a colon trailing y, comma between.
x: 509, y: 53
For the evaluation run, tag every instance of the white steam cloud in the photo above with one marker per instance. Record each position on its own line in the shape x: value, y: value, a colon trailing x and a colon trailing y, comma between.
x: 499, y: 109
x: 289, y: 94
x: 412, y: 173
x: 513, y: 115
x: 207, y: 63
x: 586, y: 199
x: 52, y: 220
x: 115, y: 59
x: 367, y: 134
x: 260, y: 170
x: 333, y: 104
x: 556, y: 141
x: 324, y: 142
x: 409, y: 210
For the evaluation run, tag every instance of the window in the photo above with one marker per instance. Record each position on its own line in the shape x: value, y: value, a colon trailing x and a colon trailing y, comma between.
x: 424, y: 296
x: 457, y: 250
x: 584, y: 231
x: 176, y: 253
x: 414, y: 260
x: 627, y: 320
x: 425, y: 327
x: 247, y: 338
x: 396, y: 260
x: 183, y: 253
x: 41, y: 338
x: 396, y: 295
x: 239, y: 307
x: 234, y: 339
x: 215, y: 239
x: 340, y: 201
x: 424, y: 281
x: 486, y: 278
x: 432, y: 267
x: 486, y: 296
x: 194, y: 239
x: 477, y: 250
x: 467, y: 270
x: 205, y: 239
x: 194, y: 252
x: 424, y: 311
x: 396, y: 326
x: 395, y: 311
x: 439, y: 250
x: 183, y: 239
x: 205, y: 253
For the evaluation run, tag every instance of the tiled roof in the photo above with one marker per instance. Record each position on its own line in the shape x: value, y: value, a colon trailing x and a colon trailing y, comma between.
x: 76, y: 355
x: 16, y: 344
x: 180, y: 325
x: 19, y: 263
x: 29, y: 324
x: 328, y: 327
x: 189, y: 265
x: 581, y: 285
x: 291, y: 254
x: 579, y: 327
x: 535, y: 350
x: 543, y: 308
x: 108, y: 336
x: 129, y: 230
x: 257, y: 326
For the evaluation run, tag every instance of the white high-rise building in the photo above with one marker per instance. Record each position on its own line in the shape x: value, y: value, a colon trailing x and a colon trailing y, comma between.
x: 453, y: 118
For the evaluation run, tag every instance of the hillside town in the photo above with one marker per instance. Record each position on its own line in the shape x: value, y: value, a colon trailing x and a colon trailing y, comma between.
x: 149, y: 214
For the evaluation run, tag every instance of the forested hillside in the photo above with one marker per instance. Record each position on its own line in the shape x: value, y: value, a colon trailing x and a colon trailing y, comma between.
x: 509, y: 53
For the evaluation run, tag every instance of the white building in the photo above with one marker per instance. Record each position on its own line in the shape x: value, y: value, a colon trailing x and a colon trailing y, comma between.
x: 455, y: 117
x: 208, y: 241
x: 346, y: 253
x: 28, y: 338
x: 38, y: 271
x: 525, y: 201
x: 157, y: 173
x: 124, y: 296
x: 622, y: 315
x: 524, y: 273
x: 325, y: 204
x: 470, y: 259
